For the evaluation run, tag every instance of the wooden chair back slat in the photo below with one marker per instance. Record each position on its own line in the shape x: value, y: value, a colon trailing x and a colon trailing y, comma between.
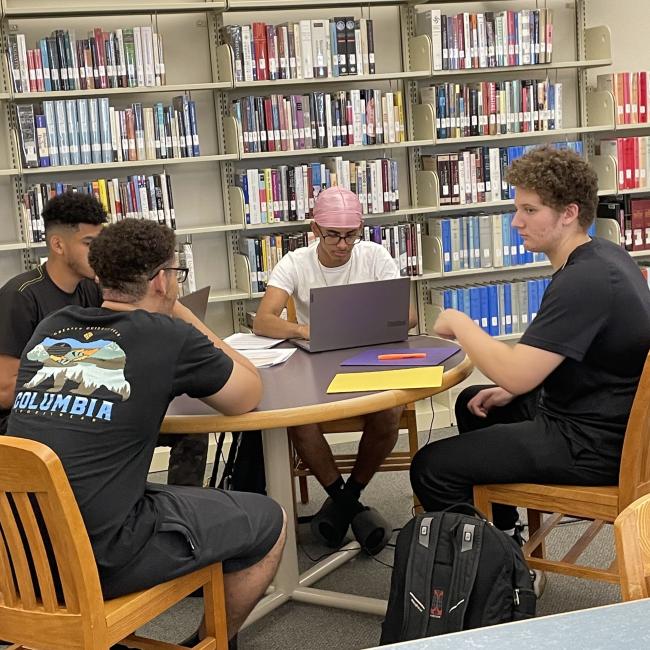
x: 37, y: 551
x: 634, y: 474
x: 70, y: 596
x: 7, y: 585
x: 17, y: 555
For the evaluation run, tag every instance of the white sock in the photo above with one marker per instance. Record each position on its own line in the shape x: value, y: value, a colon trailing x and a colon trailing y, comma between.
x: 510, y: 531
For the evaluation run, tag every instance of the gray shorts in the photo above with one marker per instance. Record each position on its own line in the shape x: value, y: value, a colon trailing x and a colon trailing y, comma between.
x: 197, y: 527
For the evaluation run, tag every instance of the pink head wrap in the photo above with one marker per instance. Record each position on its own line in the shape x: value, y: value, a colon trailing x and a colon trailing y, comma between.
x: 337, y: 207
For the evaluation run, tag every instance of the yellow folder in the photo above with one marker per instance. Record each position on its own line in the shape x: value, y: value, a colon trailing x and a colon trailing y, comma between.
x: 357, y: 382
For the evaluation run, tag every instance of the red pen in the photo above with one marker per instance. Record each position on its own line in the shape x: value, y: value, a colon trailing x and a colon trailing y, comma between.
x: 406, y: 355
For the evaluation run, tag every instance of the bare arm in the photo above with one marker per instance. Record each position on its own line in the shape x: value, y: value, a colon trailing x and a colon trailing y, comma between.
x: 243, y: 390
x: 516, y: 369
x: 8, y: 373
x: 268, y: 322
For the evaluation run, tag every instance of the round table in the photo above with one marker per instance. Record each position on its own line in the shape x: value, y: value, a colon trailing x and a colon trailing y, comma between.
x: 295, y: 393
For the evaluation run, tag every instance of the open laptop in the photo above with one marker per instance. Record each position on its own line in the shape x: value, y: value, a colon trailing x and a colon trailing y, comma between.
x: 354, y: 315
x: 197, y: 302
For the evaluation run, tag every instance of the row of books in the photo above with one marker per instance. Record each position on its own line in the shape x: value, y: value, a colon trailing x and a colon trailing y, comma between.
x: 403, y: 242
x: 125, y: 58
x: 265, y: 252
x: 288, y: 192
x: 307, y: 49
x: 319, y: 120
x: 630, y: 90
x: 498, y: 308
x: 489, y: 39
x: 632, y: 160
x: 137, y: 197
x: 477, y: 174
x: 481, y: 241
x: 85, y: 131
x: 495, y: 107
x: 633, y: 219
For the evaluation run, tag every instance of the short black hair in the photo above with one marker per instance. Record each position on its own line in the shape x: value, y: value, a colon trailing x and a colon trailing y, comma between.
x: 125, y: 254
x: 72, y: 208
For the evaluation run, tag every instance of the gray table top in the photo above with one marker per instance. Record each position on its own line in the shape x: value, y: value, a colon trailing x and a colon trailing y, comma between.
x: 304, y: 378
x: 623, y: 625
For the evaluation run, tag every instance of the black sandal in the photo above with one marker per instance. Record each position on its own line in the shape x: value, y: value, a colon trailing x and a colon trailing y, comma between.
x: 371, y: 530
x: 330, y: 524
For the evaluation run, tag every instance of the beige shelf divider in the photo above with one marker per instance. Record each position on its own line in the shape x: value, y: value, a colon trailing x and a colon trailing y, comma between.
x: 243, y: 274
x: 420, y: 54
x: 601, y: 109
x: 424, y: 122
x: 428, y: 189
x: 598, y: 42
x: 607, y: 170
x: 231, y: 135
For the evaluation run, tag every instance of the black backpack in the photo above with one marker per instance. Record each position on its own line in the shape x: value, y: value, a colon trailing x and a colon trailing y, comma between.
x: 244, y: 468
x: 454, y: 572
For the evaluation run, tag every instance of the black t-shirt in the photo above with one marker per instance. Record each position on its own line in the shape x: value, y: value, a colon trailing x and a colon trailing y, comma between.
x: 26, y: 300
x: 94, y: 385
x: 596, y: 313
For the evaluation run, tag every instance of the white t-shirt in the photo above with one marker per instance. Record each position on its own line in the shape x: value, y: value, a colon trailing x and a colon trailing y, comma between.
x: 299, y: 271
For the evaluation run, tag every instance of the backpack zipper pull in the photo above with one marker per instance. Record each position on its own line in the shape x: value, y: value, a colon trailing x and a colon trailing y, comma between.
x: 516, y: 596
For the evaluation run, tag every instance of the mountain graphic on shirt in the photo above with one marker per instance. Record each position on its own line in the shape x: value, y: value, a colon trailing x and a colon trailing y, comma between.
x: 89, y: 364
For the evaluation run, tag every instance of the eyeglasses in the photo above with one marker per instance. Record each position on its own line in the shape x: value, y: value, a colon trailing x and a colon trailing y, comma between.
x: 330, y: 238
x: 181, y: 272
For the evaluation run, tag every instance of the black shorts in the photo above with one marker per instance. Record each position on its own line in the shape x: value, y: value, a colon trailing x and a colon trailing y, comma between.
x: 197, y: 527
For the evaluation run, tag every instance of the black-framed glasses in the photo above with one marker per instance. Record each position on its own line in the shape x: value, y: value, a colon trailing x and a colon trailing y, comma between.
x: 330, y: 238
x: 181, y: 272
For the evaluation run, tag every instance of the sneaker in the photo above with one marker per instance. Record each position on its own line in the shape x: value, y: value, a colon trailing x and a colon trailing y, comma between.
x: 539, y: 581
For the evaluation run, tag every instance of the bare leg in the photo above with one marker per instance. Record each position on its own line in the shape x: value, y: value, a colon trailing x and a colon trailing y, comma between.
x: 312, y: 447
x: 380, y: 433
x: 243, y: 589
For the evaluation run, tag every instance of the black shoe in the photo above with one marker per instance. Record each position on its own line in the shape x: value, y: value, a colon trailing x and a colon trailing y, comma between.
x: 517, y: 536
x: 330, y: 524
x: 371, y: 530
x: 192, y: 640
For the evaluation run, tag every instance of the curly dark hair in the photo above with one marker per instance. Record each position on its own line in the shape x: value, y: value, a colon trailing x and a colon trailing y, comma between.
x: 559, y: 177
x: 72, y: 208
x: 125, y: 254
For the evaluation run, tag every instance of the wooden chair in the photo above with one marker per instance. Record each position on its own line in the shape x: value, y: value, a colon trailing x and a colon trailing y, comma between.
x: 599, y: 504
x: 632, y: 533
x: 395, y: 462
x: 33, y: 486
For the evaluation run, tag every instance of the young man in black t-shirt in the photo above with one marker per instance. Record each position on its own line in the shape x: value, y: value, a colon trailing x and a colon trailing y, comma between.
x: 563, y: 394
x: 72, y: 221
x: 94, y: 385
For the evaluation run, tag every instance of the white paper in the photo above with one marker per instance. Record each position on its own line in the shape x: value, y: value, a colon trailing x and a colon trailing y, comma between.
x: 268, y: 358
x: 241, y: 341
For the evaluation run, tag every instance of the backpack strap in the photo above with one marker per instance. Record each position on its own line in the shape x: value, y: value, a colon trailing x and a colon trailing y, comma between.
x: 467, y: 548
x: 419, y: 569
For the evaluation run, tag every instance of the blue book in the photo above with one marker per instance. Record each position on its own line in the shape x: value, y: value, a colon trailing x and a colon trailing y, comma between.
x: 52, y: 136
x: 442, y: 112
x: 333, y: 49
x: 445, y: 231
x: 460, y: 299
x: 95, y: 131
x: 73, y: 131
x: 485, y: 308
x: 194, y: 128
x: 85, y: 147
x: 507, y: 307
x: 475, y: 304
x: 541, y: 288
x: 454, y: 299
x: 446, y: 299
x: 105, y: 130
x: 533, y: 300
x: 45, y: 59
x: 62, y: 132
x: 493, y: 309
x: 242, y: 181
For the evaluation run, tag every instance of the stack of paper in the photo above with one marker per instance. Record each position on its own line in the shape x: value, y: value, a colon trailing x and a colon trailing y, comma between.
x: 267, y: 358
x: 241, y: 341
x: 357, y: 382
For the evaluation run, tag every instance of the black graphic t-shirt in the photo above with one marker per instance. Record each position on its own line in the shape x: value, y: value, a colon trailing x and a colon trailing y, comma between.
x: 596, y: 313
x: 94, y: 385
x: 26, y: 300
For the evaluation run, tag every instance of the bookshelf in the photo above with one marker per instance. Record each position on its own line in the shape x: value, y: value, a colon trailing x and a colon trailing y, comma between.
x: 209, y: 205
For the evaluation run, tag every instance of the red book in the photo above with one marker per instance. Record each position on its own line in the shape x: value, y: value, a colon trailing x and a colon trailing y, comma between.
x: 638, y: 224
x: 627, y: 98
x: 643, y: 96
x: 31, y: 67
x: 261, y: 52
x: 268, y: 117
x: 100, y: 59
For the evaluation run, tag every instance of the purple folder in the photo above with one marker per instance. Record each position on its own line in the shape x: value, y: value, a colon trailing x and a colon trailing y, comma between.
x: 435, y: 356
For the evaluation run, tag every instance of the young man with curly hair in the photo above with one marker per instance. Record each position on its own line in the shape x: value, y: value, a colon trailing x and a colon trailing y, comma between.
x: 563, y: 394
x: 72, y: 221
x: 94, y: 385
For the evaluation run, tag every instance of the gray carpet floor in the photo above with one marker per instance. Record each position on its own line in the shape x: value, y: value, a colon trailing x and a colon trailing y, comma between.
x: 296, y: 626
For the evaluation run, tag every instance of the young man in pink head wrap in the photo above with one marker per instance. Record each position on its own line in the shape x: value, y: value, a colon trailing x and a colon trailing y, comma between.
x: 337, y: 257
